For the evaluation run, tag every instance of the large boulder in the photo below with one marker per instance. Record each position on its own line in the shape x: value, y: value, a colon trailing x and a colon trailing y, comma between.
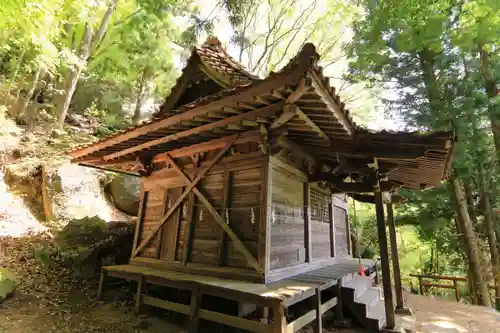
x: 125, y: 191
x: 8, y: 283
x: 77, y: 192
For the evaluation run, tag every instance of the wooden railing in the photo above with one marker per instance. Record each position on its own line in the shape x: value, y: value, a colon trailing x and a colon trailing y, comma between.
x: 426, y: 284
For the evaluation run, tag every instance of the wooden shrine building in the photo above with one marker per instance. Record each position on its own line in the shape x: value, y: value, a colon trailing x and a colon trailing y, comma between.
x: 243, y: 184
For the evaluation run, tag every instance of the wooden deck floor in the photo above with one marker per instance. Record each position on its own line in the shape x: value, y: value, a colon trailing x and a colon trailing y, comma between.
x: 287, y: 290
x: 276, y: 296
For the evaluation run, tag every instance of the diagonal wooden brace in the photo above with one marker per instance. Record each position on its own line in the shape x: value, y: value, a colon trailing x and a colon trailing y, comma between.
x: 252, y: 262
x: 190, y: 187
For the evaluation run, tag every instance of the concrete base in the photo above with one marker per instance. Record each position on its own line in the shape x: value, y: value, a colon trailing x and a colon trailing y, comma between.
x: 394, y: 330
x: 341, y: 323
x: 403, y: 311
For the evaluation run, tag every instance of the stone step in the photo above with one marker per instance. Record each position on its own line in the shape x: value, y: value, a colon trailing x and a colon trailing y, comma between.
x: 377, y: 314
x: 358, y: 285
x: 370, y: 298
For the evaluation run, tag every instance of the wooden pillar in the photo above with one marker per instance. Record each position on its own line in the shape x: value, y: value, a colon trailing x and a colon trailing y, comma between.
x: 307, y: 222
x: 339, y: 313
x: 194, y: 312
x: 331, y: 211
x: 102, y: 282
x: 279, y: 319
x: 384, y: 260
x: 395, y: 257
x: 138, y: 295
x: 319, y: 323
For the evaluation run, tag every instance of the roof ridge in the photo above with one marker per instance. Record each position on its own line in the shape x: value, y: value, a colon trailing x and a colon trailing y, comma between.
x: 213, y: 43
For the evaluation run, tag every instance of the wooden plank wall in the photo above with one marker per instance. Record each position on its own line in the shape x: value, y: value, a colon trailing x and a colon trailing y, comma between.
x: 320, y: 223
x: 246, y: 182
x: 287, y: 229
x: 152, y: 214
x: 341, y: 232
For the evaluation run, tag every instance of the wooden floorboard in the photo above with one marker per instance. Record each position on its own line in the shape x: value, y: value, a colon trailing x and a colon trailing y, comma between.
x: 288, y: 291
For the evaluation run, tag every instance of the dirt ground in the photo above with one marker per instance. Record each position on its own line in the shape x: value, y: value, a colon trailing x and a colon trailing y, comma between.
x: 52, y: 300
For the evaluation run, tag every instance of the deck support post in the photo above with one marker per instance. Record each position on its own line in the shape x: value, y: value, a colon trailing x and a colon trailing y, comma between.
x: 384, y: 260
x: 400, y: 308
x: 102, y: 282
x: 279, y: 319
x: 194, y: 313
x: 138, y: 294
x: 340, y: 321
x: 318, y: 328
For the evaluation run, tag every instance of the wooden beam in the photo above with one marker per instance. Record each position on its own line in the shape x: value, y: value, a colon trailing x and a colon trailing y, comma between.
x: 384, y: 260
x: 252, y: 262
x: 262, y: 112
x: 189, y: 188
x: 315, y: 127
x: 320, y: 88
x: 289, y: 111
x: 296, y: 149
x: 237, y: 322
x: 140, y: 218
x: 255, y: 90
x: 303, y: 87
x: 246, y: 137
x: 367, y: 187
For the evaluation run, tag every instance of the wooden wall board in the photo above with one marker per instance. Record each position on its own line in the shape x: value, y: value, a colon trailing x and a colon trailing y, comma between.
x: 152, y: 216
x: 287, y: 237
x: 341, y: 245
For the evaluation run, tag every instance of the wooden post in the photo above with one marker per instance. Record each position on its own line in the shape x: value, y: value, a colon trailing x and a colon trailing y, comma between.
x: 339, y: 313
x: 279, y: 319
x: 138, y: 294
x: 47, y: 209
x: 319, y: 323
x: 194, y: 314
x: 332, y: 226
x: 102, y: 281
x: 395, y: 257
x: 421, y: 286
x: 307, y: 223
x: 457, y: 291
x: 384, y: 260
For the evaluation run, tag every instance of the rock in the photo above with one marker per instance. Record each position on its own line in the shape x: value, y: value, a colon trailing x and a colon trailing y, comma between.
x: 8, y: 283
x: 77, y: 192
x: 82, y: 232
x: 125, y: 191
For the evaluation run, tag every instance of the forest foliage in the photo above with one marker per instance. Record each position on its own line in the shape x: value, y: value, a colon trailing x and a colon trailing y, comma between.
x: 426, y: 64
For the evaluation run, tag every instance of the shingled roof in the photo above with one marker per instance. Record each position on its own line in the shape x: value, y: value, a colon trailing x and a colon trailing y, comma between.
x: 319, y: 121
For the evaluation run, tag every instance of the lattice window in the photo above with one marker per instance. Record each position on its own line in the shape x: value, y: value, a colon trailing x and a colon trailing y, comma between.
x: 319, y: 205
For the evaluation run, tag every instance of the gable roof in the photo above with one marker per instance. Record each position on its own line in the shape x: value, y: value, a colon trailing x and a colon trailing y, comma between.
x: 321, y: 124
x: 209, y: 63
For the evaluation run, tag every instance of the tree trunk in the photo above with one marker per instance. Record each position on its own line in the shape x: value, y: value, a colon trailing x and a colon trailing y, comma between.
x: 141, y: 87
x: 489, y: 220
x: 470, y: 202
x: 492, y: 91
x: 87, y: 45
x: 471, y: 280
x: 30, y: 116
x: 471, y: 243
x: 74, y: 75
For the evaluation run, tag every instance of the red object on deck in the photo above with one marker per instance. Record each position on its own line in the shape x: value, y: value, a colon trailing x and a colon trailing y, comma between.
x: 361, y: 270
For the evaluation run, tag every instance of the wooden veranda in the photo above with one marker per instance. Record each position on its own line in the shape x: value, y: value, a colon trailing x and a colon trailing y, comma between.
x: 244, y: 183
